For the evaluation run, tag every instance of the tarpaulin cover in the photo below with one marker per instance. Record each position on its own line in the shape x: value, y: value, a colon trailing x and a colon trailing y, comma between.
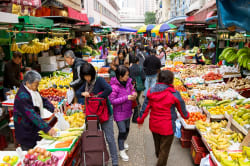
x: 234, y: 13
x: 77, y: 15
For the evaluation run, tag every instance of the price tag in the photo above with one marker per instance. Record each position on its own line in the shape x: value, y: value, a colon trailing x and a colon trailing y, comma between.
x: 229, y: 123
x: 70, y: 95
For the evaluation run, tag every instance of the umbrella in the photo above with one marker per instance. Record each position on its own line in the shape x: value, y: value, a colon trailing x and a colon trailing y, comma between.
x: 162, y: 28
x: 146, y: 28
x: 126, y: 29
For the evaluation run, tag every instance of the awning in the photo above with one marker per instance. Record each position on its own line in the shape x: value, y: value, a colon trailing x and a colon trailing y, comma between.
x: 77, y: 15
x: 176, y: 20
x: 8, y: 18
x: 208, y: 10
x: 211, y: 19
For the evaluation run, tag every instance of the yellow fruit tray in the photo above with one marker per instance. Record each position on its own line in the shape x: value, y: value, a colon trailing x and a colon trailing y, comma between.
x: 212, y: 116
x: 236, y: 124
x: 8, y: 153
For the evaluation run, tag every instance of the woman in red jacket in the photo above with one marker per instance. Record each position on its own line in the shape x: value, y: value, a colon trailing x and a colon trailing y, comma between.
x: 162, y: 100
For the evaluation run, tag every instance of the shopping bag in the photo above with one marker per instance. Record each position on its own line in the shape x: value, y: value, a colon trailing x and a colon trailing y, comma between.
x: 70, y: 95
x: 61, y: 124
x: 97, y: 106
x: 177, y: 133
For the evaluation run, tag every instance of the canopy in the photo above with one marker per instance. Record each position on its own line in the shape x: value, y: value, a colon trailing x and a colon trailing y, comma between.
x: 126, y: 29
x: 162, y: 28
x: 233, y: 13
x: 146, y: 28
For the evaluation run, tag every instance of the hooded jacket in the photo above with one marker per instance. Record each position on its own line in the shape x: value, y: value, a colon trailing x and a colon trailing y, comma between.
x: 122, y: 107
x: 161, y: 101
x: 77, y: 81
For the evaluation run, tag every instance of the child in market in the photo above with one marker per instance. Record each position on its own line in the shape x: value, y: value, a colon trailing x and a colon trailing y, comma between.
x: 161, y: 101
x: 123, y: 93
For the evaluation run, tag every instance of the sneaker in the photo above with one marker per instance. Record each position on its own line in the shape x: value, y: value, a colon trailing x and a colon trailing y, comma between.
x: 126, y: 146
x: 124, y: 155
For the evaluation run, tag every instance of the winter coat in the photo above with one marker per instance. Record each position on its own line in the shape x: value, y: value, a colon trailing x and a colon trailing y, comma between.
x: 122, y: 107
x: 77, y: 81
x: 152, y: 65
x: 27, y: 120
x: 136, y: 70
x: 161, y: 101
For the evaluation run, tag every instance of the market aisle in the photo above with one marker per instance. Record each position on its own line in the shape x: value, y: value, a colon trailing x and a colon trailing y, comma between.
x: 141, y: 149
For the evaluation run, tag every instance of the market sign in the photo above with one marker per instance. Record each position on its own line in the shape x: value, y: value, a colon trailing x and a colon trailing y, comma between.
x: 32, y: 3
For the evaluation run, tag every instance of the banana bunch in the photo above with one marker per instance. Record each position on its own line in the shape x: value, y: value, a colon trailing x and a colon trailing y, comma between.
x: 237, y: 137
x: 30, y: 49
x: 55, y: 41
x: 219, y: 142
x: 229, y: 54
x: 244, y: 57
x: 14, y: 46
x: 246, y: 151
x: 237, y: 156
x: 40, y: 46
x: 202, y: 126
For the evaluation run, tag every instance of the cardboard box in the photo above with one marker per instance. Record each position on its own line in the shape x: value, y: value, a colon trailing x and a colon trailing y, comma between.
x: 47, y: 60
x: 48, y: 68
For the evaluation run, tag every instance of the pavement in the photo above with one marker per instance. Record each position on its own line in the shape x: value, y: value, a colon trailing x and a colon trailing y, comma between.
x: 141, y: 149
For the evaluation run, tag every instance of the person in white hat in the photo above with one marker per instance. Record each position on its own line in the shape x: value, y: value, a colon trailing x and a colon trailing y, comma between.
x: 161, y: 55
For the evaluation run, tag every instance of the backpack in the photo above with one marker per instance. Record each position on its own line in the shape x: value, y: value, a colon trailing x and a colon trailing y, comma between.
x: 139, y: 83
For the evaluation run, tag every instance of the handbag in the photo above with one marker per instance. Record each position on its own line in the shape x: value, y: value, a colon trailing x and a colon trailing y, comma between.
x: 139, y: 83
x: 97, y: 106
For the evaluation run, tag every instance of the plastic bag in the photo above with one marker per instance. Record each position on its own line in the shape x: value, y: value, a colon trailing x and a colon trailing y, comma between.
x: 70, y: 95
x: 61, y: 124
x: 205, y: 161
x: 177, y: 133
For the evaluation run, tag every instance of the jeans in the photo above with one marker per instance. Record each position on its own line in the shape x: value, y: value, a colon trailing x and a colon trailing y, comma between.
x: 108, y: 130
x: 162, y: 147
x: 123, y: 127
x: 150, y: 82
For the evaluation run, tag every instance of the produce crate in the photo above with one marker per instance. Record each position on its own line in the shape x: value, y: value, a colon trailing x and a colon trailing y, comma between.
x: 3, y: 143
x: 198, y: 149
x: 185, y: 143
x: 187, y: 134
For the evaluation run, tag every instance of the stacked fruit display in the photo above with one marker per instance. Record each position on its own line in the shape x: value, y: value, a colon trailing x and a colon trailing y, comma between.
x: 219, y: 110
x: 14, y: 46
x: 241, y: 115
x: 227, y: 158
x: 53, y: 94
x: 9, y: 161
x: 76, y: 120
x: 40, y: 157
x: 195, y: 116
x: 238, y: 84
x: 212, y: 76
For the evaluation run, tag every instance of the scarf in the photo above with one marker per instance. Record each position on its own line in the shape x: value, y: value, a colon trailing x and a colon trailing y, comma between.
x: 36, y: 99
x: 89, y: 87
x: 123, y: 83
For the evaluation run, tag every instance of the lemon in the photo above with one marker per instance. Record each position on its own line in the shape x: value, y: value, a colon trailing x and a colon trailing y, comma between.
x: 6, y: 158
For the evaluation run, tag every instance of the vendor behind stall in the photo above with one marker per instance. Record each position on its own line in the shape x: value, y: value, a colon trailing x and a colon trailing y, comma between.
x: 12, y: 71
x: 200, y: 59
x: 76, y: 64
x: 27, y: 108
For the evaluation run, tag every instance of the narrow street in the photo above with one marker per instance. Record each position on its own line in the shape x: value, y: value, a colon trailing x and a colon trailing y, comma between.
x: 141, y: 149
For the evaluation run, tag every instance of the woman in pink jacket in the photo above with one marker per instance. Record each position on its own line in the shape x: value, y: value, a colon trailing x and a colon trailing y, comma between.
x: 161, y: 55
x: 123, y: 93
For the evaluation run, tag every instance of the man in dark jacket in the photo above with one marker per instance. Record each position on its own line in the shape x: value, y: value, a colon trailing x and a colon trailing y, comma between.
x: 12, y: 72
x: 76, y: 64
x: 152, y: 66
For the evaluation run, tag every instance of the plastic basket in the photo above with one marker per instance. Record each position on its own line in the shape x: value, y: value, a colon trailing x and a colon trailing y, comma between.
x: 187, y: 134
x: 185, y: 143
x: 3, y: 143
x: 198, y: 149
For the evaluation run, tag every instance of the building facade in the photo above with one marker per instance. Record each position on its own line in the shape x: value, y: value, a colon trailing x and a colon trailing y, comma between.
x: 131, y: 12
x: 104, y: 12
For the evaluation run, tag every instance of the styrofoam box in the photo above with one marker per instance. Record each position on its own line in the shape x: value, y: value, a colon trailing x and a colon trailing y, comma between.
x: 47, y: 60
x: 46, y: 67
x: 60, y: 64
